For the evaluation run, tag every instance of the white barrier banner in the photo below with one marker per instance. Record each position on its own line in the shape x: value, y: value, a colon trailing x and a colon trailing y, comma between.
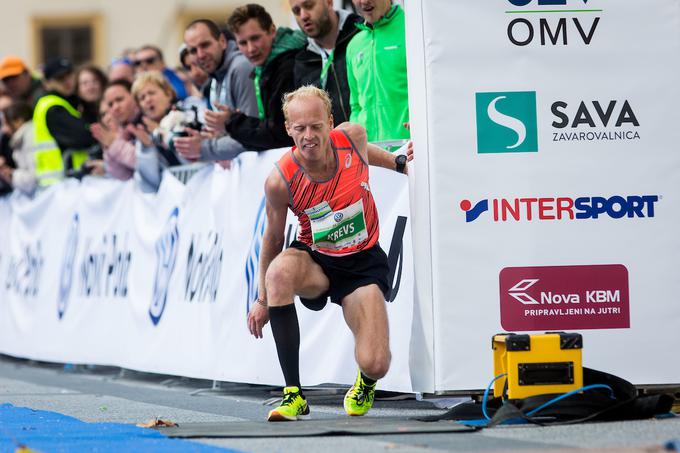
x: 553, y: 177
x: 97, y: 272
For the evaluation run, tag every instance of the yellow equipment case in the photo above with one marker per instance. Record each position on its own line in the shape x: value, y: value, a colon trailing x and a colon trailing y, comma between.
x: 537, y: 364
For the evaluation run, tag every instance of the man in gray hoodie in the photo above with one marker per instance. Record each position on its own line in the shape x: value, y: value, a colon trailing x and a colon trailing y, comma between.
x: 231, y: 88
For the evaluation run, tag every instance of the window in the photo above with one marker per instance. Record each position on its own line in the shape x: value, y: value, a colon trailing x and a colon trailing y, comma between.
x: 76, y: 38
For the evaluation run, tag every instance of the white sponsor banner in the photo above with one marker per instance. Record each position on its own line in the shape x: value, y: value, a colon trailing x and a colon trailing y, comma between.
x: 552, y: 175
x: 100, y: 273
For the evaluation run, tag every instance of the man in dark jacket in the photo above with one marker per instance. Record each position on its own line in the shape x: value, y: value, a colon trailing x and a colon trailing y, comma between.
x: 323, y: 63
x: 272, y: 52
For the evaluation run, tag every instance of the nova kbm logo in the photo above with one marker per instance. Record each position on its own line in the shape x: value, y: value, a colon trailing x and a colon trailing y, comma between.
x: 506, y: 122
x: 518, y: 291
x: 592, y: 296
x: 166, y: 256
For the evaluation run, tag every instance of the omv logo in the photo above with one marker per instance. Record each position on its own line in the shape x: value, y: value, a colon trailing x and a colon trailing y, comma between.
x: 253, y: 259
x: 506, y: 122
x: 472, y: 212
x: 67, y: 266
x: 166, y: 256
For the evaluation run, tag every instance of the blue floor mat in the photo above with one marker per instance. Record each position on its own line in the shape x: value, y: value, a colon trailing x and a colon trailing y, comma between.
x: 51, y: 432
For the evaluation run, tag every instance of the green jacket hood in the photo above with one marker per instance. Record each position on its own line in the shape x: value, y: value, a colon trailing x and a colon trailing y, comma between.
x: 286, y: 39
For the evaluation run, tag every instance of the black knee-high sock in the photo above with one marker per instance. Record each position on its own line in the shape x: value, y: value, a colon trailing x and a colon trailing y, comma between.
x: 286, y: 331
x: 367, y: 379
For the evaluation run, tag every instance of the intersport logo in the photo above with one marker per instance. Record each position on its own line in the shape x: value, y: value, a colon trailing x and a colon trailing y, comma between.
x: 564, y: 297
x: 561, y: 208
x: 506, y: 122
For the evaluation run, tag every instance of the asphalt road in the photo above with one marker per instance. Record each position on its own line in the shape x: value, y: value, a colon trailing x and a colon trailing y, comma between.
x: 106, y: 394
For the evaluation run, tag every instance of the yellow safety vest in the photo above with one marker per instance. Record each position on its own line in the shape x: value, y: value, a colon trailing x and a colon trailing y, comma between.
x: 49, y: 163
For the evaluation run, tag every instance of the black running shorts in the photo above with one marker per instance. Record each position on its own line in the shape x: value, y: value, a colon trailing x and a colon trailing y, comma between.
x: 347, y: 273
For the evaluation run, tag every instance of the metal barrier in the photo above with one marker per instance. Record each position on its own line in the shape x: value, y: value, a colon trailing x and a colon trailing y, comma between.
x: 391, y: 145
x: 185, y: 172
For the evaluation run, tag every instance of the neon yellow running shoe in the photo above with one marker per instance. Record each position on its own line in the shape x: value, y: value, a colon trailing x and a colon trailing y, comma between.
x: 359, y: 398
x: 293, y: 407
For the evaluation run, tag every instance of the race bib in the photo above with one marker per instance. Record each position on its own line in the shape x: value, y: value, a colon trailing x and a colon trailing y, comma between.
x: 337, y: 230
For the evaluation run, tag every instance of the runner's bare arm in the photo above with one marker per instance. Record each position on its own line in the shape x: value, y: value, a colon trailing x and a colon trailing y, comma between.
x: 373, y: 154
x: 276, y: 195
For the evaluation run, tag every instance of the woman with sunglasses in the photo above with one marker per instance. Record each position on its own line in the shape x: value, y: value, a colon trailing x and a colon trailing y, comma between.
x: 150, y: 58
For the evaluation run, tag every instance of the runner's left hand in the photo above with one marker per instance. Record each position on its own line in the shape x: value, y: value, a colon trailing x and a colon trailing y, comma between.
x: 409, y: 151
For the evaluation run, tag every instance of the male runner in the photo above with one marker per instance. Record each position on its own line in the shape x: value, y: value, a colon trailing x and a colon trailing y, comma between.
x: 324, y: 180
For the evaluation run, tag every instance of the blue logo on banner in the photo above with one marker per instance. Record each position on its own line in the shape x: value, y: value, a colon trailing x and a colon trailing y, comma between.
x: 166, y: 255
x: 67, y: 266
x: 253, y: 259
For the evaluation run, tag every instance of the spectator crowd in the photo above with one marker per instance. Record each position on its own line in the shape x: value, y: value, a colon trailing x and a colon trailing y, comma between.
x: 140, y: 116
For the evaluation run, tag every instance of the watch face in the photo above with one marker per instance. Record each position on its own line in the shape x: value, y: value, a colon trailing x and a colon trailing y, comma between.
x: 400, y: 161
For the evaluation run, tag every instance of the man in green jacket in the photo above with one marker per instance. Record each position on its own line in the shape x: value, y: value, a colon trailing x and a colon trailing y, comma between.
x: 376, y: 71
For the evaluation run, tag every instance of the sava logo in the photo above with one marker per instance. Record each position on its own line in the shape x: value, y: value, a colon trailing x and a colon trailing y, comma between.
x: 594, y: 121
x: 166, y: 255
x: 506, y: 122
x: 67, y: 266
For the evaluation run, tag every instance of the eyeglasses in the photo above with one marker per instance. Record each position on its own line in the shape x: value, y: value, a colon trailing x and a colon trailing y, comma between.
x: 146, y: 61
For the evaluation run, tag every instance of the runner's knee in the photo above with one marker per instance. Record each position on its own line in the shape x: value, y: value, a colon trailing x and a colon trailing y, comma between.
x: 281, y: 276
x: 374, y: 364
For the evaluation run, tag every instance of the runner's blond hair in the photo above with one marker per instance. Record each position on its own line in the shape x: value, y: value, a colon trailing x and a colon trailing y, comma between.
x: 306, y: 92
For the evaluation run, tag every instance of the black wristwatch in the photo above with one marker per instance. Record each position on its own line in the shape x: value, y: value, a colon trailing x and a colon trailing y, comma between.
x: 400, y: 161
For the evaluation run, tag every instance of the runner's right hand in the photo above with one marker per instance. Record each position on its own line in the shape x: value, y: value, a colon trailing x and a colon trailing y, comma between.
x: 258, y: 316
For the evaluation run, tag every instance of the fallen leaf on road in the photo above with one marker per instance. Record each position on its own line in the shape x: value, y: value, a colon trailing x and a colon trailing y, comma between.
x: 157, y: 422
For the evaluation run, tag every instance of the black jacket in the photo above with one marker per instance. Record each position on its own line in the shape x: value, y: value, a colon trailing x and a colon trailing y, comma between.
x: 259, y: 135
x: 308, y: 70
x: 6, y: 152
x: 69, y: 132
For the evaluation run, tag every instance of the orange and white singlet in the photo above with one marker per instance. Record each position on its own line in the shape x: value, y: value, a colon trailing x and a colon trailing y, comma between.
x: 338, y: 216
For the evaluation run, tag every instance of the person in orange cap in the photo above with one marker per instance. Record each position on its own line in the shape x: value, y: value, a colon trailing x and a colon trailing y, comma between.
x: 18, y: 81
